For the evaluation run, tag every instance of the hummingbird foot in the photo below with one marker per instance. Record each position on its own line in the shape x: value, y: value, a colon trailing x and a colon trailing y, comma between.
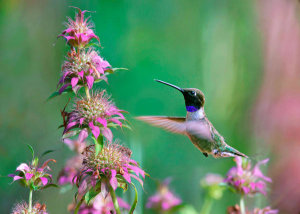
x: 205, y: 154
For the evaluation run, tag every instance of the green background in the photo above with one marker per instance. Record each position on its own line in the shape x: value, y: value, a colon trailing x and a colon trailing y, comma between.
x: 212, y: 45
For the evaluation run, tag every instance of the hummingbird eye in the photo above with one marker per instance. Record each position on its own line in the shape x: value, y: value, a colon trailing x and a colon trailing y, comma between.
x: 193, y: 93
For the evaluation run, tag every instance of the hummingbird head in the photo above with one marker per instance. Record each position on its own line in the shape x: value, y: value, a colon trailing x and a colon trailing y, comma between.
x: 194, y: 98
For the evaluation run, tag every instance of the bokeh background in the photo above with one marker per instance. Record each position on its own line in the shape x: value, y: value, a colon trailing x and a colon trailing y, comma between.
x: 244, y: 55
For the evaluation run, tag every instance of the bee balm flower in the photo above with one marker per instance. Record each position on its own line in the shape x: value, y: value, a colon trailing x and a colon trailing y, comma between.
x: 246, y: 180
x: 97, y: 113
x: 79, y: 31
x: 22, y: 208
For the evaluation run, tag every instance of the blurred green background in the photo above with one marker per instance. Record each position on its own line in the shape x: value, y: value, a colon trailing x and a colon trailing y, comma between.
x: 212, y: 45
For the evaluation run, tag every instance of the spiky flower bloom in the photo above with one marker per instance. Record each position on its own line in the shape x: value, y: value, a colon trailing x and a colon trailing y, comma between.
x: 32, y: 175
x: 163, y: 199
x: 100, y: 205
x: 97, y: 113
x: 237, y: 210
x: 79, y: 31
x: 245, y: 179
x: 22, y: 208
x: 213, y: 185
x: 83, y: 68
x: 111, y: 166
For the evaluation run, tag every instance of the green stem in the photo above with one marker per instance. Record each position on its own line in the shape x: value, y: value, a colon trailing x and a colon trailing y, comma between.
x: 78, y: 206
x: 30, y: 201
x: 206, y: 208
x: 114, y: 199
x: 242, y: 205
x: 87, y: 92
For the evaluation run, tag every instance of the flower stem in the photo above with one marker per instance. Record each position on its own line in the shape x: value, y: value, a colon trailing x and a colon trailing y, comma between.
x: 87, y: 92
x: 30, y: 201
x: 242, y: 205
x: 114, y: 199
x: 78, y: 206
x: 206, y: 208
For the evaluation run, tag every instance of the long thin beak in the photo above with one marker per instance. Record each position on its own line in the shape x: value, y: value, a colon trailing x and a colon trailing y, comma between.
x: 173, y: 86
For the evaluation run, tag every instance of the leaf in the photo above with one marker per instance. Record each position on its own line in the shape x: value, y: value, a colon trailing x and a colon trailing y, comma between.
x: 56, y: 93
x: 50, y: 185
x: 47, y: 152
x: 98, y: 144
x: 113, y: 70
x: 31, y: 150
x: 65, y: 188
x: 92, y: 193
x: 177, y: 208
x: 133, y: 206
x: 70, y: 134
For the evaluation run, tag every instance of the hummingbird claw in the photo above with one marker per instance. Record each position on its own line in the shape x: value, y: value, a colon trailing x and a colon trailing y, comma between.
x: 205, y: 154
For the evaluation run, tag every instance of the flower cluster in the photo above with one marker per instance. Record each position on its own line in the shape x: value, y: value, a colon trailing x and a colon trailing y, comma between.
x: 100, y: 205
x: 83, y: 67
x: 32, y: 175
x: 23, y: 208
x: 247, y: 180
x: 164, y: 199
x: 237, y: 210
x: 79, y: 32
x: 113, y: 162
x: 97, y: 113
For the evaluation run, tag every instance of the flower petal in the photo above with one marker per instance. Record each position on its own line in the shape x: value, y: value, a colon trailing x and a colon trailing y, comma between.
x: 95, y: 129
x: 83, y: 135
x: 15, y: 177
x: 113, y: 180
x: 28, y: 176
x: 81, y: 73
x: 90, y: 81
x: 115, y: 121
x: 74, y: 81
x: 108, y: 134
x: 44, y: 180
x: 23, y: 167
x: 126, y: 175
x: 102, y: 121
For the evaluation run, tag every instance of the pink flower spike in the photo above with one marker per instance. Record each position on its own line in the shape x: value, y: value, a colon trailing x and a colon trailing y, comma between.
x: 23, y: 167
x: 28, y: 176
x: 113, y: 180
x: 95, y: 129
x: 44, y: 180
x: 90, y: 81
x: 74, y: 81
x: 102, y: 121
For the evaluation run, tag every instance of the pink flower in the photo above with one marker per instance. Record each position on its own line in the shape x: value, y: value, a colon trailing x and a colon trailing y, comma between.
x: 33, y: 176
x: 22, y: 208
x: 97, y: 114
x: 70, y: 171
x: 102, y: 205
x: 79, y: 31
x: 83, y: 68
x: 246, y: 180
x: 164, y: 199
x: 79, y: 144
x: 113, y: 162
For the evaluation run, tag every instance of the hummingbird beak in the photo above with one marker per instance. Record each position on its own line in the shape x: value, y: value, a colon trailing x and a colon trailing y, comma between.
x: 173, y: 86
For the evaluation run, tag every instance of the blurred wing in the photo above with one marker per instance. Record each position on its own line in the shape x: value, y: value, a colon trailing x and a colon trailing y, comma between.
x: 200, y: 129
x: 172, y: 124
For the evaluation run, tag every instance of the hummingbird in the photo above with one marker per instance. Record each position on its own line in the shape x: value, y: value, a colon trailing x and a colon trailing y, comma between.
x: 195, y: 125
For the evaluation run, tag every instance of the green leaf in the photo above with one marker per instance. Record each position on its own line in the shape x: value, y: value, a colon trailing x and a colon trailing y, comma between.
x: 31, y: 150
x: 47, y: 152
x: 133, y: 206
x: 65, y: 188
x: 56, y: 93
x: 35, y: 161
x: 90, y: 195
x: 113, y: 70
x: 71, y: 134
x: 50, y: 185
x: 98, y: 144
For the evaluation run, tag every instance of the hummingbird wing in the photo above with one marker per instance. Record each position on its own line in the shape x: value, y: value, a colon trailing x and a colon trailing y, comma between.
x: 172, y: 124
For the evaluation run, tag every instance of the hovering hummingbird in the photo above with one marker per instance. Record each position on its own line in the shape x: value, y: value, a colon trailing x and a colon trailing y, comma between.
x: 195, y: 125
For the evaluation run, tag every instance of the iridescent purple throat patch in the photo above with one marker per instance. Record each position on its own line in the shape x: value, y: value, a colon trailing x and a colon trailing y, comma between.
x: 191, y: 108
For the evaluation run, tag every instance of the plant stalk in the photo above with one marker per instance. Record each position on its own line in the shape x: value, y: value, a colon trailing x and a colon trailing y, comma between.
x: 206, y: 208
x: 30, y: 201
x: 242, y: 205
x: 114, y: 199
x: 78, y: 206
x: 87, y: 92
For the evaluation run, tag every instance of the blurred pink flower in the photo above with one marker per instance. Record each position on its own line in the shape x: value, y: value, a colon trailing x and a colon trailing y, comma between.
x: 246, y: 180
x: 236, y: 210
x: 22, y: 208
x: 163, y: 199
x: 102, y: 205
x: 97, y: 113
x: 79, y: 144
x: 33, y: 176
x: 113, y: 162
x: 78, y: 32
x: 82, y: 68
x: 71, y: 169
